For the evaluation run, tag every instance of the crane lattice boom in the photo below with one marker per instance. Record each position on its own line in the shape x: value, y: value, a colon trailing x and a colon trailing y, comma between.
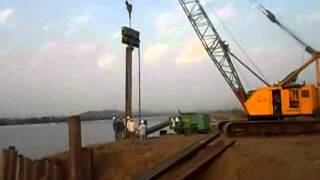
x: 213, y: 44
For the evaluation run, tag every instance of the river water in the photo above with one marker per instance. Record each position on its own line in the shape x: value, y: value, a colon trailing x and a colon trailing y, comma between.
x: 40, y: 140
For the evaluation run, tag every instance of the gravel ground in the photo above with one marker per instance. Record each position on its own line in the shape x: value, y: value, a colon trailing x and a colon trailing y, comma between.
x: 276, y: 158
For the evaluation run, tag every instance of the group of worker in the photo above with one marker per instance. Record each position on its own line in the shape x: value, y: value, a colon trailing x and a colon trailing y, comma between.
x: 180, y: 125
x: 133, y: 130
x: 118, y: 128
x: 174, y: 121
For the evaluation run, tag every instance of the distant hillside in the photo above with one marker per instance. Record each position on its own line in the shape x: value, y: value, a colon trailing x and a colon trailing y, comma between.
x: 108, y: 114
x: 85, y: 116
x: 98, y: 115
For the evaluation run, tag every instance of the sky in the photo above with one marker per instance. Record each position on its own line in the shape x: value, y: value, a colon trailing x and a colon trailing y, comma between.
x: 66, y: 57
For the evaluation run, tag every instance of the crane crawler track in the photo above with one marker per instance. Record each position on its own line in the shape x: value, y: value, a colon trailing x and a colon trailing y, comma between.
x: 271, y: 128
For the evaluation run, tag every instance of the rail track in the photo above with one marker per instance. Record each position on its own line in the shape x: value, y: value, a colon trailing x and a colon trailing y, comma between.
x: 187, y: 162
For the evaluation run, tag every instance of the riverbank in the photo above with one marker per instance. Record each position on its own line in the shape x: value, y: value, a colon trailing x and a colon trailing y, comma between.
x: 48, y: 120
x: 123, y: 159
x: 290, y: 158
x: 107, y: 115
x: 31, y: 121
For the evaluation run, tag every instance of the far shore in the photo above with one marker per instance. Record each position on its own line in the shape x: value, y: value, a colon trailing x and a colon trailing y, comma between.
x: 107, y: 115
x: 47, y: 120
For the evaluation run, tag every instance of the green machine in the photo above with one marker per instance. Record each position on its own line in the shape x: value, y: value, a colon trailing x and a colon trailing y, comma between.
x: 190, y: 122
x: 201, y: 123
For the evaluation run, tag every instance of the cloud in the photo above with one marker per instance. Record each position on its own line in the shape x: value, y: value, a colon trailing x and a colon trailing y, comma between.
x: 191, y: 53
x: 5, y: 14
x: 314, y: 17
x: 46, y: 27
x: 77, y: 22
x: 61, y: 77
x: 163, y: 22
x: 226, y: 12
x: 84, y: 18
x: 108, y: 62
x: 75, y: 48
x: 155, y: 53
x: 116, y: 36
x: 86, y: 48
x: 97, y: 52
x: 169, y: 29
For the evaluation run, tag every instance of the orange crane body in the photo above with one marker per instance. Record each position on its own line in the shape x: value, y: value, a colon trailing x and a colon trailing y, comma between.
x: 283, y: 100
x: 295, y: 101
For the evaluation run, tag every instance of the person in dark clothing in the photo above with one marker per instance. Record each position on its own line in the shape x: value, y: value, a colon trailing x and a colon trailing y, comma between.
x: 121, y: 129
x: 115, y: 128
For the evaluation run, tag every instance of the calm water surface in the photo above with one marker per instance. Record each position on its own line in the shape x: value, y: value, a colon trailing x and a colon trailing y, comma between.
x: 36, y: 141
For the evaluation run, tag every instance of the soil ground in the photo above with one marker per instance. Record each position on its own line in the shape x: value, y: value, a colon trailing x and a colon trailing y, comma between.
x: 275, y: 158
x: 123, y: 159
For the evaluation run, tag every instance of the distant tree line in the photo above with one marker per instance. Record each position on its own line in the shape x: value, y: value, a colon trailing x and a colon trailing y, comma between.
x: 86, y: 116
x: 32, y: 120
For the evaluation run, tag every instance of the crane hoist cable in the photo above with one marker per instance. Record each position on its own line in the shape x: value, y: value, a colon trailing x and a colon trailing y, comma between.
x: 272, y: 17
x: 259, y: 75
x: 294, y: 74
x: 248, y: 68
x: 139, y: 73
x: 303, y: 57
x: 243, y: 77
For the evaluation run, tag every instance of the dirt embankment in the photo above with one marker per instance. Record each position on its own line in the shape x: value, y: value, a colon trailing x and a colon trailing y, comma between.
x: 275, y: 158
x: 278, y: 158
x: 122, y: 160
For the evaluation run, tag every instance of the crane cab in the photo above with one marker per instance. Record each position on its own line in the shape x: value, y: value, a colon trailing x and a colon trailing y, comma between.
x: 276, y: 101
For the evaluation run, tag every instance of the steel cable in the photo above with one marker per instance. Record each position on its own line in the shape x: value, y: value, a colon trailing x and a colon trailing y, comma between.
x: 237, y: 42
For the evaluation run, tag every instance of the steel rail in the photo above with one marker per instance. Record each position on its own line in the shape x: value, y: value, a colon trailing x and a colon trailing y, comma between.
x: 176, y: 159
x: 195, y: 166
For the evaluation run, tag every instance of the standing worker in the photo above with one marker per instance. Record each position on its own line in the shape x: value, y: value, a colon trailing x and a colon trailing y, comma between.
x: 172, y: 123
x: 131, y: 128
x: 119, y: 129
x: 178, y: 125
x: 115, y: 128
x: 142, y: 132
x: 122, y: 128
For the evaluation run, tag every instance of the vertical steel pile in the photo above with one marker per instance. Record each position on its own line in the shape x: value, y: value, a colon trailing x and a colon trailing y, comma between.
x: 18, y: 167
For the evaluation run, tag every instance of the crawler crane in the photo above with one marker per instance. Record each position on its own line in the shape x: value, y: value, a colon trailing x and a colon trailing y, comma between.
x: 269, y: 106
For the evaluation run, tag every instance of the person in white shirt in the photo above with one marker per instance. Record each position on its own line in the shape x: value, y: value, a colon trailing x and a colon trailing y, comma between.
x: 173, y: 123
x: 142, y: 132
x: 131, y: 128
